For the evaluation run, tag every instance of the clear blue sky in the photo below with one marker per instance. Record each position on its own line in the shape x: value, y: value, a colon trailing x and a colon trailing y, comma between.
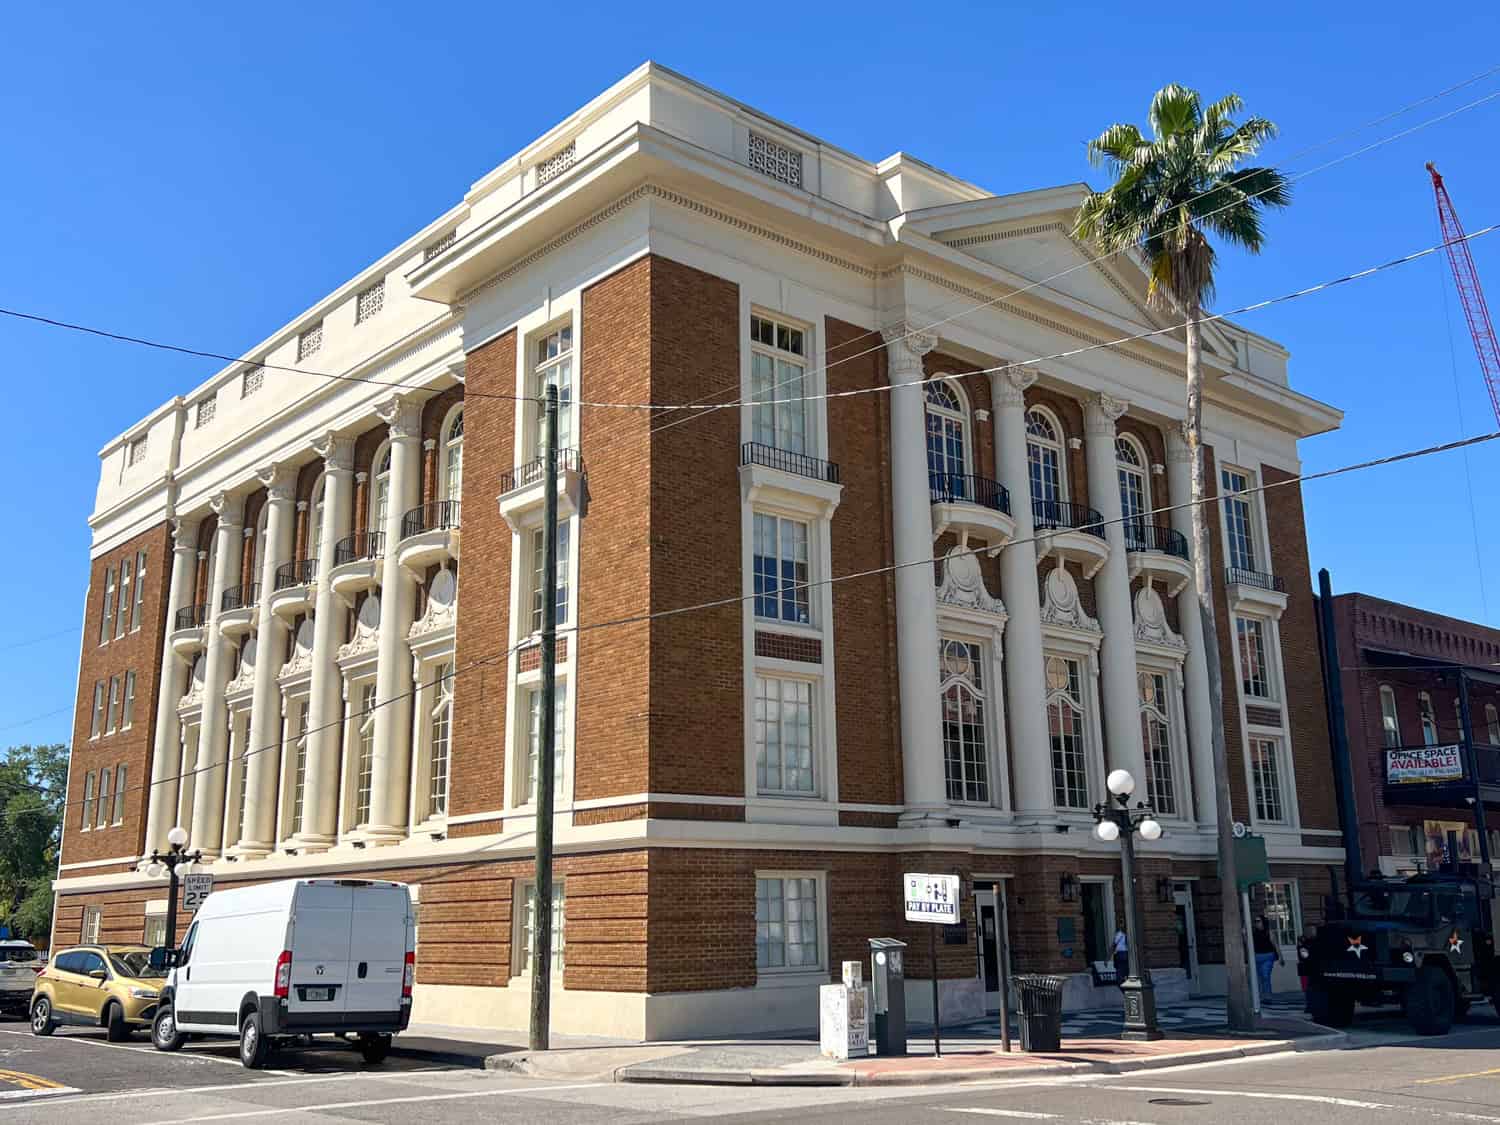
x: 182, y: 172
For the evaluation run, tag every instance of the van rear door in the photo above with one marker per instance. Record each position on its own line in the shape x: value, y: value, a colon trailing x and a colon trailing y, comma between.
x: 318, y: 990
x: 377, y: 950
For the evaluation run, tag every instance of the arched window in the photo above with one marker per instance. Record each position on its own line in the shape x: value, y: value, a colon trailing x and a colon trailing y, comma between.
x: 380, y: 489
x: 453, y: 456
x: 965, y: 757
x: 947, y: 440
x: 1044, y: 459
x: 1070, y: 787
x: 1135, y: 490
x: 1156, y: 740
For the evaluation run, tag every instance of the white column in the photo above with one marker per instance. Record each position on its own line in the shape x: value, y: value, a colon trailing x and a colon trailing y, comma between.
x: 166, y: 750
x: 1190, y: 625
x: 231, y: 778
x: 1121, y: 695
x: 270, y: 654
x: 916, y: 593
x: 1030, y: 745
x: 390, y: 776
x: 325, y: 700
x: 208, y: 785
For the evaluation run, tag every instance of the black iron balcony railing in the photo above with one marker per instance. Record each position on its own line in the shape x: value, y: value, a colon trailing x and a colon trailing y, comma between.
x: 568, y: 461
x: 362, y: 545
x: 299, y: 573
x: 754, y: 453
x: 1154, y: 537
x: 190, y: 617
x: 430, y: 517
x: 1059, y: 515
x: 240, y: 597
x: 1254, y: 578
x: 964, y: 488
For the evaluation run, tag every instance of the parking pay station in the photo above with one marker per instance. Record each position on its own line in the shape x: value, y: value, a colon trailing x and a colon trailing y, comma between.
x: 888, y: 995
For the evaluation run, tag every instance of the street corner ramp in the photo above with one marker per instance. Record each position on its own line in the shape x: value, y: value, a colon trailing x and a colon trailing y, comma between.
x: 18, y: 1085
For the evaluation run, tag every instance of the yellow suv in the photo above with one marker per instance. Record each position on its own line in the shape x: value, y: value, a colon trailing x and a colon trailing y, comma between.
x: 109, y: 986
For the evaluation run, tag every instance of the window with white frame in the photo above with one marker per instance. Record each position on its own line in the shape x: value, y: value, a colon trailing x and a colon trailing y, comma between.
x: 204, y: 411
x: 364, y: 777
x: 243, y: 787
x: 1429, y: 719
x: 778, y: 372
x: 309, y: 340
x: 1390, y: 720
x: 1135, y: 489
x: 553, y: 367
x: 453, y: 457
x: 369, y: 302
x: 107, y: 618
x: 122, y: 617
x: 380, y: 489
x: 1265, y: 773
x: 105, y: 777
x: 127, y: 705
x: 781, y: 563
x: 1238, y: 518
x: 963, y: 687
x: 439, y: 740
x: 92, y: 919
x: 538, y: 566
x: 947, y: 440
x: 86, y: 821
x: 534, y: 737
x: 138, y: 603
x: 1044, y: 461
x: 299, y: 766
x: 1492, y: 723
x: 113, y: 723
x: 1255, y: 669
x: 1282, y: 911
x: 96, y: 725
x: 783, y: 735
x: 155, y: 932
x: 251, y: 381
x: 1156, y: 741
x: 526, y: 938
x: 120, y: 775
x: 1065, y: 725
x: 787, y: 923
x: 1408, y: 840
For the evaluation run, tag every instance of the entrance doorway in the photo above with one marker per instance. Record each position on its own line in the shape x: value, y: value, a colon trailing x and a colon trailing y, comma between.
x: 986, y: 909
x: 1187, y: 933
x: 1098, y: 920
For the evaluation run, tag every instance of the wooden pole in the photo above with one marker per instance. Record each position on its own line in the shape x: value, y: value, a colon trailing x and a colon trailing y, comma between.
x: 541, y: 933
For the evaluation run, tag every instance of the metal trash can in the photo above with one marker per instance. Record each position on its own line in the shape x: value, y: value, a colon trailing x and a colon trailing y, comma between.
x: 1041, y: 1012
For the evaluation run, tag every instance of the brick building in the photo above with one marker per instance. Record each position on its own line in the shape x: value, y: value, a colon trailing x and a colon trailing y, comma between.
x: 1422, y: 783
x: 740, y: 786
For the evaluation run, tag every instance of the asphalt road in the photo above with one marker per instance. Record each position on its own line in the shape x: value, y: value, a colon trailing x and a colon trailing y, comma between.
x: 1452, y: 1079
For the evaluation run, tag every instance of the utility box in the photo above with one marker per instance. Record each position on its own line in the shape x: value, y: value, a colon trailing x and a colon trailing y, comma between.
x: 843, y: 1020
x: 888, y: 994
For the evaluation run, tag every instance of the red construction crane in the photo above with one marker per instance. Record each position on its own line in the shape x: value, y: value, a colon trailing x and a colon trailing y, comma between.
x: 1466, y: 277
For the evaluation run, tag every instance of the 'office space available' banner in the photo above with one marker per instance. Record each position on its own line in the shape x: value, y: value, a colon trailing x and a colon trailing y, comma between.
x: 1424, y: 763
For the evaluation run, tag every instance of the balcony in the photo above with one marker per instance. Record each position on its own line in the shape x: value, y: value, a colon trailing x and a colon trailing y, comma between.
x: 429, y: 534
x: 237, y: 609
x: 1070, y: 532
x: 356, y: 564
x: 1254, y: 591
x: 187, y: 630
x: 296, y: 588
x: 790, y: 479
x: 970, y: 506
x: 521, y: 489
x: 1159, y: 553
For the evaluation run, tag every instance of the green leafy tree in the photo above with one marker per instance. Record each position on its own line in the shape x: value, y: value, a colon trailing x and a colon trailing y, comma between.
x: 33, y: 780
x: 1174, y: 190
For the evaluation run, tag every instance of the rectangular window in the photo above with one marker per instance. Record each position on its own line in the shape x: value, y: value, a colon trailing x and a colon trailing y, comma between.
x: 1156, y: 741
x: 119, y: 817
x: 1429, y: 719
x: 114, y: 705
x: 534, y: 737
x: 96, y: 726
x: 251, y: 381
x: 440, y: 735
x: 1281, y: 912
x: 1408, y: 840
x: 244, y: 783
x: 787, y: 923
x: 204, y: 411
x: 122, y: 618
x: 369, y: 302
x: 1237, y: 519
x: 783, y: 735
x: 309, y: 340
x: 155, y: 932
x: 299, y: 767
x: 538, y: 559
x: 778, y: 368
x: 127, y: 708
x: 107, y: 618
x: 1255, y: 677
x: 1265, y: 769
x: 87, y: 820
x: 554, y: 367
x: 781, y: 570
x: 139, y: 602
x: 528, y: 930
x: 1492, y: 722
x: 1070, y: 786
x: 104, y: 779
x: 1390, y: 722
x: 365, y: 776
x: 961, y: 682
x: 89, y: 935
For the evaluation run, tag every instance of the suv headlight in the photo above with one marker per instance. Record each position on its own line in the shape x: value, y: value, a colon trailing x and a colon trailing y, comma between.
x: 144, y: 993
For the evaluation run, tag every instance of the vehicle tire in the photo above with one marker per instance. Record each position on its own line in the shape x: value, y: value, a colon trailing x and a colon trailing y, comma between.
x: 114, y: 1020
x: 253, y: 1045
x: 1430, y: 1001
x: 1460, y: 1008
x: 42, y: 1022
x: 164, y: 1033
x: 1331, y: 1007
x: 374, y: 1048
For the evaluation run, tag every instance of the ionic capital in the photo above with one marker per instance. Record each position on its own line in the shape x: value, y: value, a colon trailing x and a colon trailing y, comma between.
x: 906, y: 346
x: 278, y: 480
x: 229, y: 507
x: 1178, y: 450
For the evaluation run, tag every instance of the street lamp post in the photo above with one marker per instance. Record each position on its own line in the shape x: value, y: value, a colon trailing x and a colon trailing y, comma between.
x: 1118, y: 822
x: 169, y: 861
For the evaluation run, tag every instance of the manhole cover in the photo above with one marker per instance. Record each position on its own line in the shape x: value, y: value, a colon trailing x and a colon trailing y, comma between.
x: 1179, y: 1101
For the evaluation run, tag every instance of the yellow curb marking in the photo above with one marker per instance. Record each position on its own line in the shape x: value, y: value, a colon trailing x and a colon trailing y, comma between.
x: 1459, y: 1077
x: 28, y: 1081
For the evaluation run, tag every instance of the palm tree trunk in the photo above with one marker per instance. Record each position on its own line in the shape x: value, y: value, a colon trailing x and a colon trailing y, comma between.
x: 1241, y: 1014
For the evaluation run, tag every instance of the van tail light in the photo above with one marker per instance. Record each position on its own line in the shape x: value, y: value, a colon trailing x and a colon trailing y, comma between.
x: 284, y: 974
x: 409, y: 974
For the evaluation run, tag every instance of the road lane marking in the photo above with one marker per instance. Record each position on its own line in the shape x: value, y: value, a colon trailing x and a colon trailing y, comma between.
x: 35, y: 1092
x: 27, y: 1081
x: 190, y: 1054
x: 1320, y: 1099
x: 251, y: 1083
x: 1458, y: 1077
x: 508, y: 1091
x: 1031, y: 1115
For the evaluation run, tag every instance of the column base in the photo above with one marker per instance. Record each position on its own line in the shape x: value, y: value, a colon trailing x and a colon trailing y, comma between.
x: 252, y: 849
x: 308, y: 843
x: 381, y: 835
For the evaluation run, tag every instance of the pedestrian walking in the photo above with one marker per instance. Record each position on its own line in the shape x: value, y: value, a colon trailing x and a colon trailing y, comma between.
x: 1267, y: 955
x: 1122, y: 956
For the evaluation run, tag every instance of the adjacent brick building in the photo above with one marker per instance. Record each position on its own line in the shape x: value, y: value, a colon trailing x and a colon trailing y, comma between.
x: 824, y: 634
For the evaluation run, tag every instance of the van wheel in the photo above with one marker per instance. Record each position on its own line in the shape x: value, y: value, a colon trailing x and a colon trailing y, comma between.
x: 42, y: 1022
x: 374, y: 1048
x: 164, y: 1033
x: 1430, y: 1001
x: 253, y: 1045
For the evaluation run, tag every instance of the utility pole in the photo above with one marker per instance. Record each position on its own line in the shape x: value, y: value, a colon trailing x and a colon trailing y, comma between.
x: 541, y: 933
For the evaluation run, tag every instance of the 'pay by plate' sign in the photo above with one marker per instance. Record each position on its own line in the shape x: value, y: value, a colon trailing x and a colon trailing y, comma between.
x: 931, y: 898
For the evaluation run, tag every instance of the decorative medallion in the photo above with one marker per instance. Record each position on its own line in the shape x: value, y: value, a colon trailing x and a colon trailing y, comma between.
x: 963, y: 583
x: 442, y: 605
x: 244, y: 679
x: 1061, y: 605
x: 366, y: 629
x: 1151, y: 620
x: 302, y: 651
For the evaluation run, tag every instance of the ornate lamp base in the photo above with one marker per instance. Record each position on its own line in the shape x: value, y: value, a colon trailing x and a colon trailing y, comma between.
x: 1140, y: 1010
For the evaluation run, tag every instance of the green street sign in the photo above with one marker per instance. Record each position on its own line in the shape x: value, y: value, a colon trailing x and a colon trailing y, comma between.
x: 1250, y: 865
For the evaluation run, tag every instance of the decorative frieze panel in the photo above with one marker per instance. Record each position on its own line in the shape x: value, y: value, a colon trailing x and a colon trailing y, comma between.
x: 556, y: 164
x: 775, y: 160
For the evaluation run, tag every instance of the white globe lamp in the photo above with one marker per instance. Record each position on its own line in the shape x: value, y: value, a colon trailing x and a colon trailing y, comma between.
x: 155, y: 870
x: 1150, y: 829
x: 1120, y: 783
x: 1108, y: 831
x: 177, y: 837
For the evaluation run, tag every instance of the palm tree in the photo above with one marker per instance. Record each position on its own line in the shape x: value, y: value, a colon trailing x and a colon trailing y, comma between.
x: 1171, y: 192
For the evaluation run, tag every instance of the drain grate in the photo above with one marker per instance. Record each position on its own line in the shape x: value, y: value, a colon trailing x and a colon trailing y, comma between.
x: 1179, y: 1101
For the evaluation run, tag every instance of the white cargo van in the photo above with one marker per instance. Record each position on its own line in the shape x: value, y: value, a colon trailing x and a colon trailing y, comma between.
x: 297, y: 957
